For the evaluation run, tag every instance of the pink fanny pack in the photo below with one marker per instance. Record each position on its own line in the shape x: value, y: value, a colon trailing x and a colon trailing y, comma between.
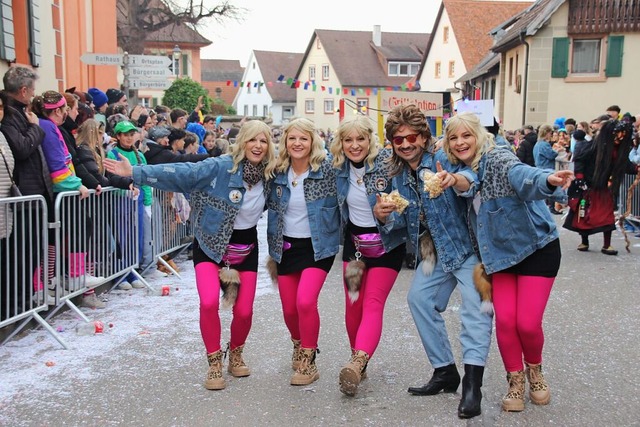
x: 368, y: 245
x: 236, y: 253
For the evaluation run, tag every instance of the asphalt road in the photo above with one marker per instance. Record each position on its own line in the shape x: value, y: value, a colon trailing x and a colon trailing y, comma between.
x: 591, y: 352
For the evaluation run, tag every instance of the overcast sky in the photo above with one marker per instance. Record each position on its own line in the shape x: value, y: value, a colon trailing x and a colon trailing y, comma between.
x: 287, y: 25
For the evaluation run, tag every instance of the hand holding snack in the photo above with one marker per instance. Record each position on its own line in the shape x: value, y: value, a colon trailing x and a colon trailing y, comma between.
x: 432, y: 183
x: 399, y: 202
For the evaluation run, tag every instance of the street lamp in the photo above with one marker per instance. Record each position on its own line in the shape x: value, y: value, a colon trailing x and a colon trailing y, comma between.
x: 176, y: 60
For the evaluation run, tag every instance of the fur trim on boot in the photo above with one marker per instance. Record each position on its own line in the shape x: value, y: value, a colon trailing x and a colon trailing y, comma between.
x: 427, y: 253
x: 353, y: 278
x: 483, y: 285
x: 229, y: 283
x: 272, y: 269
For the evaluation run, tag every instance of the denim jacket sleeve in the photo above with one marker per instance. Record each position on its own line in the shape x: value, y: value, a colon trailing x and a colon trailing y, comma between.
x: 180, y: 177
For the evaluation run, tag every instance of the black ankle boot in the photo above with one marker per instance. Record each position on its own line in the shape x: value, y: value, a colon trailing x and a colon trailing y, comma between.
x: 471, y: 394
x: 444, y: 379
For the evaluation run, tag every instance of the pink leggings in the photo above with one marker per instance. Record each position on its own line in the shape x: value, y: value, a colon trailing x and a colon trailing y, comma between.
x: 363, y: 318
x: 208, y: 284
x: 299, y: 294
x: 519, y: 303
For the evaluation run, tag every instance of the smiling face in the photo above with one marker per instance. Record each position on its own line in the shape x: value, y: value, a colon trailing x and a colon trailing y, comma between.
x: 256, y: 149
x: 356, y: 146
x: 298, y: 145
x: 411, y: 152
x: 126, y: 140
x: 463, y: 144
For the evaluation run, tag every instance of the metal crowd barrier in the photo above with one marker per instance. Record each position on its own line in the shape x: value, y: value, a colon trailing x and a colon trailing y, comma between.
x: 23, y: 245
x: 170, y: 231
x: 96, y: 240
x: 622, y: 197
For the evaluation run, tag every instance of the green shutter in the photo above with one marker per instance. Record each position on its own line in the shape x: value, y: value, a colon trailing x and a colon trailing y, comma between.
x: 614, y: 56
x: 185, y: 64
x: 7, y: 40
x: 33, y: 11
x: 560, y: 57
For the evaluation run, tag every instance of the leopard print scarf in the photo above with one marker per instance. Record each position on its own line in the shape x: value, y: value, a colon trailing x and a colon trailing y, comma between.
x: 252, y: 174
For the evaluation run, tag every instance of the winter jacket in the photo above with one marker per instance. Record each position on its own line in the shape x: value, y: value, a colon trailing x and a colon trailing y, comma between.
x: 58, y: 158
x: 94, y: 177
x: 525, y: 149
x: 135, y: 158
x: 6, y: 217
x: 160, y: 154
x: 25, y: 139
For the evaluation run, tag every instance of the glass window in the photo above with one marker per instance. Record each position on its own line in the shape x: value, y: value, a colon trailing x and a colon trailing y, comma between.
x: 437, y: 70
x: 329, y: 106
x: 312, y: 72
x: 586, y: 56
x: 325, y: 72
x: 309, y: 106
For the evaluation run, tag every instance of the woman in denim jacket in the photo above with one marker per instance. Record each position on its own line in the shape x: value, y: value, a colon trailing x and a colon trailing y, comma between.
x: 371, y: 259
x: 227, y: 195
x: 446, y: 263
x: 519, y: 246
x: 304, y: 237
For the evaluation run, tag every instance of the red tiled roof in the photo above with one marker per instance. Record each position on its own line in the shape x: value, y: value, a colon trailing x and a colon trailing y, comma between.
x: 471, y: 21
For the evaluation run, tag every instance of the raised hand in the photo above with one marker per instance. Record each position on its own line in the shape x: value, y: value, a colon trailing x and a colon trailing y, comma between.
x: 122, y: 167
x: 561, y: 178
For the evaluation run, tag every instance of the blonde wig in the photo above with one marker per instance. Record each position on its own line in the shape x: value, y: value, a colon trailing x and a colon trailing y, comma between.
x: 471, y: 123
x: 364, y: 128
x: 318, y: 153
x: 250, y: 130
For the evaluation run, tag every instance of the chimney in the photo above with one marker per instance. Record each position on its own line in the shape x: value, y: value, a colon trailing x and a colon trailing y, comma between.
x: 377, y: 35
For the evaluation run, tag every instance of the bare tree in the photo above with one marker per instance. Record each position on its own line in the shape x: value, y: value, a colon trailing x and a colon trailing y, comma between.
x: 138, y: 18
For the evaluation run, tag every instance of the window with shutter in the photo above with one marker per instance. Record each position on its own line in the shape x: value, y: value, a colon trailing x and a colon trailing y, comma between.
x: 185, y: 65
x: 7, y: 40
x: 614, y: 56
x: 35, y: 53
x: 560, y: 57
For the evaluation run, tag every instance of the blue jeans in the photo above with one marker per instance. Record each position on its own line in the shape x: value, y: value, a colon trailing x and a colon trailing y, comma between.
x: 428, y: 298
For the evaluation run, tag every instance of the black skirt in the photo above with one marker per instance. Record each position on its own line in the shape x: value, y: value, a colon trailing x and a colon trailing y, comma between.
x: 248, y: 236
x: 300, y: 256
x: 545, y: 262
x: 392, y: 259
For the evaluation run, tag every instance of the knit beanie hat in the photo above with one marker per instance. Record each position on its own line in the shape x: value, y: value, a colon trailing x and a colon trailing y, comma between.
x: 579, y: 135
x: 114, y: 95
x: 99, y: 97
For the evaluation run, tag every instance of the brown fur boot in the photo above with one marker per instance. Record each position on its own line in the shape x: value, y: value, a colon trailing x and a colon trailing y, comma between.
x: 513, y: 401
x: 237, y: 367
x: 296, y: 357
x: 353, y: 373
x: 538, y: 388
x: 214, y: 379
x: 307, y: 372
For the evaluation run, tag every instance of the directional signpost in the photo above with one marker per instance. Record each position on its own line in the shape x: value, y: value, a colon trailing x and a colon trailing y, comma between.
x: 140, y: 71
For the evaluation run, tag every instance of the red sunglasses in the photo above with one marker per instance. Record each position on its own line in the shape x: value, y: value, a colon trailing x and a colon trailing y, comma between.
x: 398, y: 140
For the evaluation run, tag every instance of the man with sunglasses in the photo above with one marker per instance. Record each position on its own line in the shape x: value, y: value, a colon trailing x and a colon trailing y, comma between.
x: 437, y: 226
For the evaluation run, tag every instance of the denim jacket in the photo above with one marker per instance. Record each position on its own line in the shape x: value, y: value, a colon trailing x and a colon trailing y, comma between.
x: 376, y: 180
x: 322, y: 208
x: 445, y: 215
x: 215, y: 196
x: 512, y: 221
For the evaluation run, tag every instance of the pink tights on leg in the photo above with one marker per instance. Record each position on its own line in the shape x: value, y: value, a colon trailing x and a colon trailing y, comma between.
x: 519, y: 303
x: 364, y: 317
x: 299, y: 294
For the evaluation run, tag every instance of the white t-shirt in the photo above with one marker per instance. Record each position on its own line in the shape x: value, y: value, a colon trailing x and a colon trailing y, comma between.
x: 252, y: 207
x: 360, y: 213
x: 296, y: 217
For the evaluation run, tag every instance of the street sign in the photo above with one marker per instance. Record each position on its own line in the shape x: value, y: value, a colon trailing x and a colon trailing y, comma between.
x: 102, y: 59
x: 136, y: 73
x: 149, y: 84
x: 149, y: 61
